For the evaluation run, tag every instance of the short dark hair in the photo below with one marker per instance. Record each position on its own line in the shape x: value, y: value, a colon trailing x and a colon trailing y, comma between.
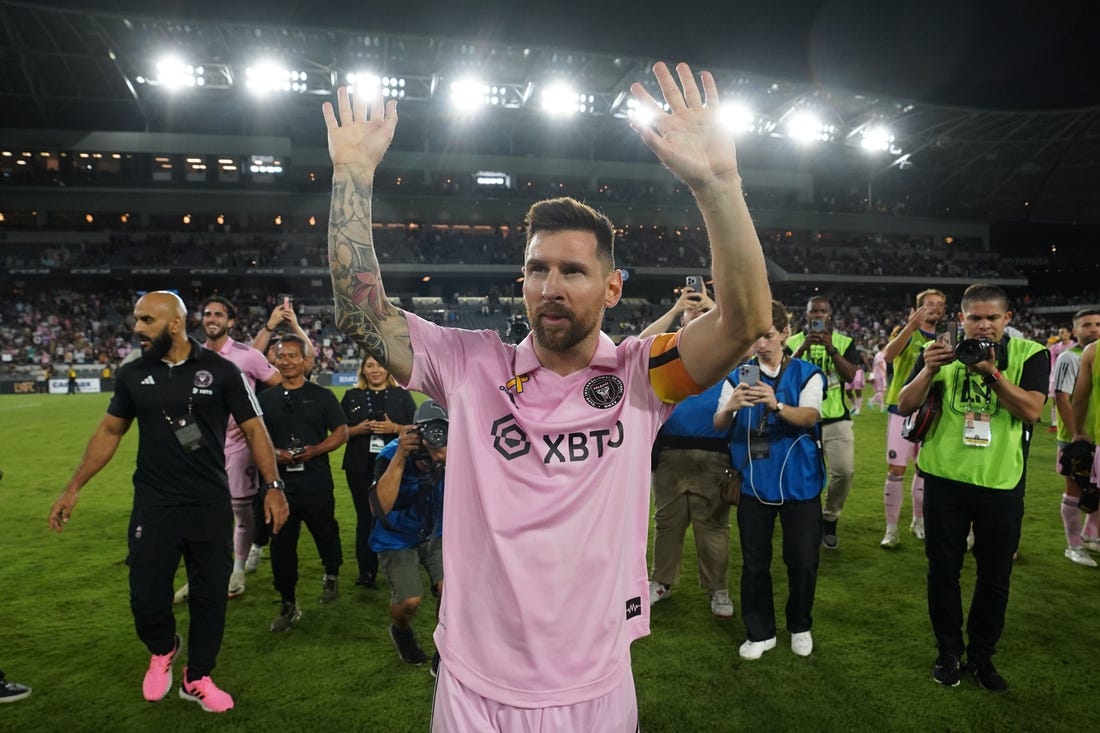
x: 565, y: 213
x: 230, y: 309
x: 1085, y: 312
x: 819, y: 299
x: 982, y: 293
x: 293, y: 338
x: 780, y: 317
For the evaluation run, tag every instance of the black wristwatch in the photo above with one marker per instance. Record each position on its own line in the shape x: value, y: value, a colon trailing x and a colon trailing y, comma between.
x: 277, y: 485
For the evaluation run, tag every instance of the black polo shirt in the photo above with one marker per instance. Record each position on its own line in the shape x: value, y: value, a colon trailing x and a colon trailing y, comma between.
x: 309, y: 412
x: 214, y: 388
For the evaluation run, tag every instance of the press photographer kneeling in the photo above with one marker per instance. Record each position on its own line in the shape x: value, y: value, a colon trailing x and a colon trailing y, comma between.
x: 407, y: 499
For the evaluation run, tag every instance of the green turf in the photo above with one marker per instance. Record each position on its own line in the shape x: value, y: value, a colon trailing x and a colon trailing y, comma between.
x: 67, y: 630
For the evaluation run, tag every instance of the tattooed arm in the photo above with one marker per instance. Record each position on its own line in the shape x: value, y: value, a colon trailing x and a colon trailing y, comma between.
x: 356, y: 146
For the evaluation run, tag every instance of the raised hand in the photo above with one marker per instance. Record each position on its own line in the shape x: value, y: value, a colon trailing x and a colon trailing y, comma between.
x: 354, y: 139
x: 690, y: 139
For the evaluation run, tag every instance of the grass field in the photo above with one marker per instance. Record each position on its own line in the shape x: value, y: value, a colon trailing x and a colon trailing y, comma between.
x: 68, y: 633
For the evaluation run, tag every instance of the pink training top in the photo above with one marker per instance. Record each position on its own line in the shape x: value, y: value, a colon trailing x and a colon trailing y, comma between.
x: 254, y: 366
x: 545, y: 513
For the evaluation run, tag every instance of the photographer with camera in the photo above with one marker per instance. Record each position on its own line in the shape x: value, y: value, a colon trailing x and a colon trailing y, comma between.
x: 771, y: 406
x: 306, y: 424
x: 1067, y: 367
x: 973, y: 459
x: 407, y: 499
x: 836, y: 355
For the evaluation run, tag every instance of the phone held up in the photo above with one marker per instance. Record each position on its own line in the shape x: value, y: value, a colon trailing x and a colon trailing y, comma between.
x: 947, y: 332
x: 817, y: 325
x: 695, y: 282
x: 748, y: 374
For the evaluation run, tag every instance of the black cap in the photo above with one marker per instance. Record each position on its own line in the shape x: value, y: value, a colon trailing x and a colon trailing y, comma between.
x: 428, y: 411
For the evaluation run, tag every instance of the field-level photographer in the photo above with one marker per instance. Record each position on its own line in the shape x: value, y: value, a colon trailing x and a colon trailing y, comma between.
x: 407, y: 500
x: 973, y: 461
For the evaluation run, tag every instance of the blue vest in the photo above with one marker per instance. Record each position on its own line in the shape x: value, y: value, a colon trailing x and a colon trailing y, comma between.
x: 417, y: 512
x: 794, y: 468
x: 694, y: 417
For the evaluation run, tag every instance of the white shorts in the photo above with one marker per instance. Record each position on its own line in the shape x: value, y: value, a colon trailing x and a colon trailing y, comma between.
x: 899, y: 451
x: 457, y: 709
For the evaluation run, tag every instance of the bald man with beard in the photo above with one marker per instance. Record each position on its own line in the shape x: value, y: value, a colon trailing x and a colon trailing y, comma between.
x: 182, y: 396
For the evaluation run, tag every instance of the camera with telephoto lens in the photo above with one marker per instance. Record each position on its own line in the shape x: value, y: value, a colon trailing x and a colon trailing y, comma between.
x: 971, y: 351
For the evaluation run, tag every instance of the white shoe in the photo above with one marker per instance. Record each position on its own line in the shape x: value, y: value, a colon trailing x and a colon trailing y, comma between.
x: 720, y: 604
x: 802, y: 643
x: 1080, y: 556
x: 917, y: 528
x: 890, y: 539
x: 658, y: 591
x: 253, y: 561
x: 1092, y: 544
x: 755, y: 649
x: 236, y: 584
x: 182, y: 594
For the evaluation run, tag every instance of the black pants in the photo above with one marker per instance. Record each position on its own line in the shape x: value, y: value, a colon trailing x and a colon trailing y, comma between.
x: 359, y: 483
x: 159, y: 537
x: 317, y: 510
x: 263, y: 530
x: 801, y: 522
x: 950, y: 508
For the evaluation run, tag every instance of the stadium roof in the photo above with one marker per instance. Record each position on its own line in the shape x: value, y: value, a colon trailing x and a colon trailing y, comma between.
x: 1026, y: 147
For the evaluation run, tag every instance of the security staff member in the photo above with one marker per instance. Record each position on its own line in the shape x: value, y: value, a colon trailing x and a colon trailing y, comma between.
x: 182, y: 396
x: 973, y: 461
x: 836, y: 356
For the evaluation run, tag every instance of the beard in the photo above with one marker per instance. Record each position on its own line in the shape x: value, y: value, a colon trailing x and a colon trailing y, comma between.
x: 215, y: 332
x: 562, y: 336
x: 158, y: 346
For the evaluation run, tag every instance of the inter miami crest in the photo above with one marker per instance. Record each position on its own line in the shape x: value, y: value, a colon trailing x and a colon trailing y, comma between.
x: 603, y: 391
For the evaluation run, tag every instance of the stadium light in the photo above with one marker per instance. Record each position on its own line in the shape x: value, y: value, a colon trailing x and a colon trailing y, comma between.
x: 174, y: 74
x: 268, y: 76
x: 469, y: 95
x: 560, y: 99
x: 738, y: 117
x: 876, y: 139
x: 806, y: 127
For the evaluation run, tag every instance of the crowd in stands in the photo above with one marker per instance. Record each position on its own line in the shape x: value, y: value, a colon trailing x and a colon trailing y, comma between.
x: 794, y: 251
x: 55, y: 328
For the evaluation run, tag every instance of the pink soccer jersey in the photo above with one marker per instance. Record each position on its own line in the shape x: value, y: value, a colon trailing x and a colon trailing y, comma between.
x: 545, y: 513
x: 254, y: 366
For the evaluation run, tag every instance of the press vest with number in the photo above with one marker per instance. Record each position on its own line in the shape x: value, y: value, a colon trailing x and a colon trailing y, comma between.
x: 943, y: 453
x: 833, y: 406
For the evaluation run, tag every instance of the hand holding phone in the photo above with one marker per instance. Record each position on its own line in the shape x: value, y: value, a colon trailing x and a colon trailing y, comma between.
x: 748, y: 374
x: 947, y: 332
x: 695, y: 282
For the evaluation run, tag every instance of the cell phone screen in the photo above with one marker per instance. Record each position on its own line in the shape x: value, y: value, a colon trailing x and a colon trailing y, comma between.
x: 947, y: 331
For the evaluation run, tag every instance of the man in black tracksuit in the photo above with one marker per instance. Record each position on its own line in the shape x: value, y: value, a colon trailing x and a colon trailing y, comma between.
x: 182, y: 396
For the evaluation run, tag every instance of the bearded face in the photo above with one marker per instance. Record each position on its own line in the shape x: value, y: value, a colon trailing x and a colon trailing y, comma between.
x: 156, y: 347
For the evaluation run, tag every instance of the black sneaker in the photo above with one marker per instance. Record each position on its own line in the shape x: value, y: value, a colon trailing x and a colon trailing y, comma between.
x: 987, y: 676
x: 12, y: 691
x: 366, y: 581
x: 407, y: 648
x: 828, y: 535
x: 288, y: 614
x: 948, y: 670
x: 329, y: 589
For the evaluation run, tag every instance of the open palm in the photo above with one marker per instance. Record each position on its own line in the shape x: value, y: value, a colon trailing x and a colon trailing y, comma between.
x: 354, y: 138
x: 690, y: 139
